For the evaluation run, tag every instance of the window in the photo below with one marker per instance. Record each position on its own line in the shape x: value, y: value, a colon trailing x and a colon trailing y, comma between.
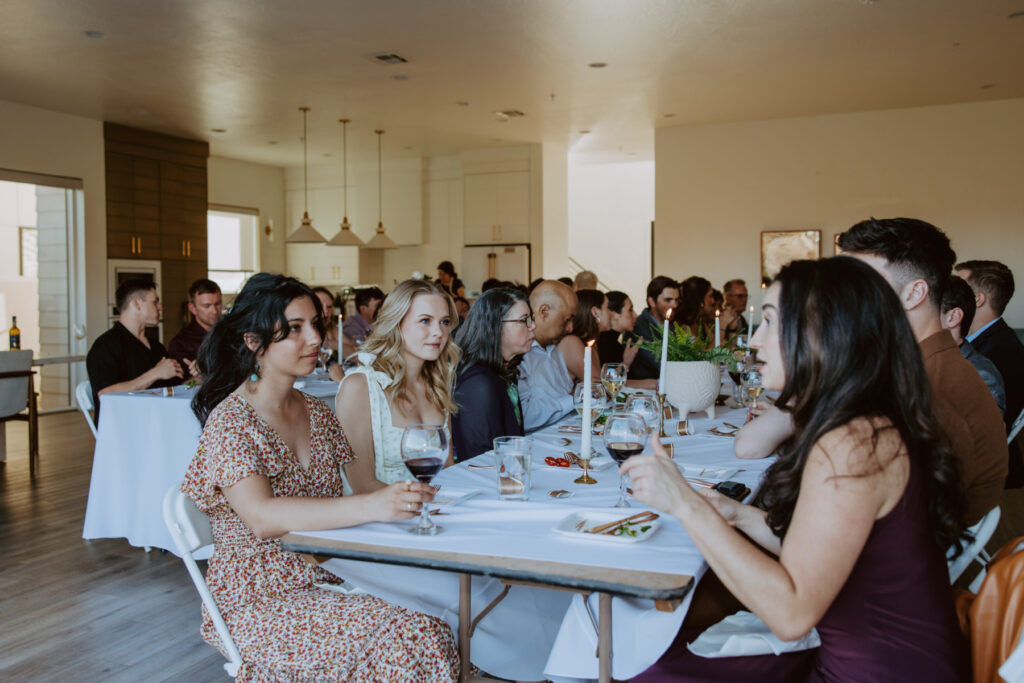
x: 232, y: 246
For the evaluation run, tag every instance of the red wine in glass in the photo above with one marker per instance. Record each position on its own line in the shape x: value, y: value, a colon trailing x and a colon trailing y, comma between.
x: 622, y: 450
x: 425, y: 468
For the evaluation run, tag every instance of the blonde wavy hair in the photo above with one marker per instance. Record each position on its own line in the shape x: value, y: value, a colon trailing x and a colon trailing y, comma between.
x: 385, y: 342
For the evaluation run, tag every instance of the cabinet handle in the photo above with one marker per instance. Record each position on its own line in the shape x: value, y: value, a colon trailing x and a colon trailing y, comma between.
x: 138, y: 240
x: 133, y: 244
x: 183, y: 247
x: 499, y: 232
x: 188, y: 245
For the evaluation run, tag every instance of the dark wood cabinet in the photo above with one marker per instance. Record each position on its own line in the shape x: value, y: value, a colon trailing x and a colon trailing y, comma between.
x: 156, y: 209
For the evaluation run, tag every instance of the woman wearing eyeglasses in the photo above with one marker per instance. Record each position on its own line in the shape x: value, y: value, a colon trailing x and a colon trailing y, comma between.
x: 496, y: 334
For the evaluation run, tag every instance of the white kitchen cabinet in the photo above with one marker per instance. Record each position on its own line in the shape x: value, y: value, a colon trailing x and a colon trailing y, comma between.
x: 496, y: 207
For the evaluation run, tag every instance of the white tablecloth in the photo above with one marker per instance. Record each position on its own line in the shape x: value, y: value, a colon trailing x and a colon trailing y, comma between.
x: 537, y: 633
x: 144, y: 444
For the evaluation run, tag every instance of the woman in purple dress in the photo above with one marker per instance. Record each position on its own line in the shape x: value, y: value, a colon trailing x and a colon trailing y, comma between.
x: 854, y: 518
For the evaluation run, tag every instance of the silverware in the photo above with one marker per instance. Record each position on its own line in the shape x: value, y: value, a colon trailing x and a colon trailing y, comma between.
x: 463, y: 498
x: 645, y: 516
x: 480, y: 467
x: 732, y: 426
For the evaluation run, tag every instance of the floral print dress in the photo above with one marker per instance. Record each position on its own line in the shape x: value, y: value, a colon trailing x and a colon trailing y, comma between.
x: 286, y: 628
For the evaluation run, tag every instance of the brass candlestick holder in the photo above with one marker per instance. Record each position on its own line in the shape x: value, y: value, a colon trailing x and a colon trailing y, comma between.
x: 586, y: 478
x: 661, y: 416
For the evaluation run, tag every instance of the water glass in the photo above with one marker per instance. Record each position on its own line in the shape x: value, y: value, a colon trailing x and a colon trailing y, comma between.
x: 512, y: 460
x: 646, y: 407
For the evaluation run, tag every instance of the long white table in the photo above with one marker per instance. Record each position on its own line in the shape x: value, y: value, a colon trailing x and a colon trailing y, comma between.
x: 144, y: 444
x: 537, y: 633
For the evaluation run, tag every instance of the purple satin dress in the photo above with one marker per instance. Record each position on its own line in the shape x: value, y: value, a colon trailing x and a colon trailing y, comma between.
x: 893, y: 620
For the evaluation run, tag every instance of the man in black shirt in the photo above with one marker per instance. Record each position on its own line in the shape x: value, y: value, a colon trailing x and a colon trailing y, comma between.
x: 123, y: 358
x: 205, y: 304
x: 662, y: 296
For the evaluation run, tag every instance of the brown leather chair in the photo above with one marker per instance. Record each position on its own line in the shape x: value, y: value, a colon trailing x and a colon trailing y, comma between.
x: 18, y: 398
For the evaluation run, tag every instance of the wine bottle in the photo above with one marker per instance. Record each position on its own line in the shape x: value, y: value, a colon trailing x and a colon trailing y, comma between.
x: 15, y: 334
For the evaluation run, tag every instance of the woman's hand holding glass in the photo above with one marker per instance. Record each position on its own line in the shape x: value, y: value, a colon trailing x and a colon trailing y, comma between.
x: 401, y: 500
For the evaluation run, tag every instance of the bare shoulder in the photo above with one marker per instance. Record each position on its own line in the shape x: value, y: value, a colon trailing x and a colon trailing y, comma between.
x: 353, y: 393
x: 570, y: 344
x: 863, y: 447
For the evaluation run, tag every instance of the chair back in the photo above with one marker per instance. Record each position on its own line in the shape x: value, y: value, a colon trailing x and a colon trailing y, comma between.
x: 83, y: 396
x: 1015, y: 429
x: 190, y: 529
x: 14, y: 390
x: 975, y: 548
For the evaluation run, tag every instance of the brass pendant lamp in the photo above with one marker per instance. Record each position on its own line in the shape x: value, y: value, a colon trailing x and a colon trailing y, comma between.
x: 305, y: 233
x: 380, y: 240
x: 345, y: 236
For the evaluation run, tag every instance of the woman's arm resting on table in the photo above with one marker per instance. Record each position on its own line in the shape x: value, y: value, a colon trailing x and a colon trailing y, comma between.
x: 270, y: 516
x: 760, y: 437
x: 840, y: 499
x: 353, y: 408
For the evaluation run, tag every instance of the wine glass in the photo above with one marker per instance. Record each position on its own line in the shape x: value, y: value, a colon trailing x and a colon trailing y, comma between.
x: 624, y: 436
x: 752, y: 385
x: 741, y: 355
x: 323, y: 358
x: 598, y: 403
x: 613, y: 376
x: 424, y: 450
x: 646, y: 407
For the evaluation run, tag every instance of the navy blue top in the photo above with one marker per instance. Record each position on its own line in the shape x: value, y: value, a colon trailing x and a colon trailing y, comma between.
x: 485, y: 411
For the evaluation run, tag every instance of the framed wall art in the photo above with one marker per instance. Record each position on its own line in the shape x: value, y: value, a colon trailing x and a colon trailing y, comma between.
x: 779, y: 247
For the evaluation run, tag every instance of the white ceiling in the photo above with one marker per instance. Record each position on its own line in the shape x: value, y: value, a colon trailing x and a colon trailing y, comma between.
x: 186, y: 67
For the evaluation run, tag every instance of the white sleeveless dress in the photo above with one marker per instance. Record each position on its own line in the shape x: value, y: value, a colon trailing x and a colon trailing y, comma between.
x: 387, y: 439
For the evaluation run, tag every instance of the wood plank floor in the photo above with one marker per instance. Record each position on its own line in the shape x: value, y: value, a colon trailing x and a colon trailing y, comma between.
x: 77, y: 610
x: 102, y: 610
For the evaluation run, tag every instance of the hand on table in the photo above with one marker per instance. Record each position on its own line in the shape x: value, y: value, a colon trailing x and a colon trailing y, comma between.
x: 401, y: 500
x: 192, y: 367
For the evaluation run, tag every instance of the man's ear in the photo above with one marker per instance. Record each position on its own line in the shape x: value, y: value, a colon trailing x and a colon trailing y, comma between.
x: 913, y: 294
x: 952, y: 318
x: 651, y: 304
x: 980, y: 298
x: 252, y: 341
x: 543, y: 311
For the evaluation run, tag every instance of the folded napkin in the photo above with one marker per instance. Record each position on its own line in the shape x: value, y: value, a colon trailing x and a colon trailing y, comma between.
x: 742, y: 635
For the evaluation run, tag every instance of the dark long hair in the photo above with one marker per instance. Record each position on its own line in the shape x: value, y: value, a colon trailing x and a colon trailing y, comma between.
x: 692, y: 291
x: 583, y: 324
x: 225, y: 361
x: 616, y: 300
x: 849, y: 353
x: 479, y: 336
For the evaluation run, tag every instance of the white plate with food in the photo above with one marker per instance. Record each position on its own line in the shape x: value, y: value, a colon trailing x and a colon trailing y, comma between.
x: 609, y: 526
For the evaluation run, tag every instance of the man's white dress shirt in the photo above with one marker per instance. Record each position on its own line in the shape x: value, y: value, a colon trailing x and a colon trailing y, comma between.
x: 545, y: 387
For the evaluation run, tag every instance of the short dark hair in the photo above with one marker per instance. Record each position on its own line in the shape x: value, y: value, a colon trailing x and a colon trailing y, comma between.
x: 727, y: 287
x: 202, y: 286
x: 958, y: 294
x: 490, y: 283
x: 367, y: 294
x: 993, y: 278
x: 446, y: 267
x: 131, y: 288
x: 583, y: 324
x: 915, y: 248
x: 565, y: 280
x: 533, y: 285
x: 463, y: 299
x: 616, y: 300
x: 658, y: 285
x: 479, y: 337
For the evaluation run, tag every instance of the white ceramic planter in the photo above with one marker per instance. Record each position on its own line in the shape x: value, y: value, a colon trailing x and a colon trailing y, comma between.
x: 692, y: 386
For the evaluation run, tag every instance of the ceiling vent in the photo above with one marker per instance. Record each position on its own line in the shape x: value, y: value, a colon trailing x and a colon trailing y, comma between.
x: 388, y: 58
x: 506, y: 114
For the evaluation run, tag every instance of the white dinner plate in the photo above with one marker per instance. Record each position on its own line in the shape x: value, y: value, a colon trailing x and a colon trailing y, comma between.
x: 707, y: 472
x: 591, y: 518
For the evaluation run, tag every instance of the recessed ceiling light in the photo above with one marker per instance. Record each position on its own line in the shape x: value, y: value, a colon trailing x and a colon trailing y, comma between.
x: 218, y: 130
x: 988, y: 85
x: 669, y: 116
x: 584, y: 131
x: 271, y: 142
x: 388, y: 58
x: 632, y: 154
x: 597, y: 65
x: 400, y: 77
x: 327, y: 154
x: 462, y: 103
x: 495, y: 139
x: 407, y: 147
x: 1017, y: 15
x: 93, y: 34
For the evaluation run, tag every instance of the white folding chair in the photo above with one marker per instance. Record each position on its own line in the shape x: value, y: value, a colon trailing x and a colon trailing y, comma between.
x: 1015, y: 429
x: 18, y: 401
x: 83, y: 396
x: 191, y: 531
x: 975, y: 548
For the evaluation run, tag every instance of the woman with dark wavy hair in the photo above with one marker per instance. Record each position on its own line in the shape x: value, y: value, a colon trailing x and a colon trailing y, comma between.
x: 269, y: 462
x: 854, y: 518
x: 496, y: 334
x: 590, y: 319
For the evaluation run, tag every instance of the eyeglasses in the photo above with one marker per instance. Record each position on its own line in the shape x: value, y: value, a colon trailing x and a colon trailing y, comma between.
x: 526, y: 320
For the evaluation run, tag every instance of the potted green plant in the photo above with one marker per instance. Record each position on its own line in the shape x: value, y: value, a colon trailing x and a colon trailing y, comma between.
x: 692, y: 378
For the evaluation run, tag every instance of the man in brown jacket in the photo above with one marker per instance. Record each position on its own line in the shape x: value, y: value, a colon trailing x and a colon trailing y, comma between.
x: 916, y: 259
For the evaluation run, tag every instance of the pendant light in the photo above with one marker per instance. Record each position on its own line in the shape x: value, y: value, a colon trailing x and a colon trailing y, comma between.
x: 305, y: 233
x: 345, y: 236
x: 380, y: 240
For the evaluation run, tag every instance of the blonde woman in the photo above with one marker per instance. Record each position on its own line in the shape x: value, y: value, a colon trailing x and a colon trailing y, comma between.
x: 405, y: 377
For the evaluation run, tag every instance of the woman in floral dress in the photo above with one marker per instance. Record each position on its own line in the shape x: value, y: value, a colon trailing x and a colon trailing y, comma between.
x: 268, y: 463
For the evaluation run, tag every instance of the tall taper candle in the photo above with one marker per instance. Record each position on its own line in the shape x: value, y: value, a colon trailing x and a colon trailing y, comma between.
x: 750, y: 325
x: 664, y: 352
x: 340, y: 359
x: 588, y: 400
x: 718, y: 329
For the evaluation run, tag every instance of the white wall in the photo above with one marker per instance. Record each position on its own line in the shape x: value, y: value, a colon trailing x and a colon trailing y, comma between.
x: 551, y: 246
x: 41, y: 141
x: 253, y: 186
x: 960, y: 167
x: 611, y: 207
